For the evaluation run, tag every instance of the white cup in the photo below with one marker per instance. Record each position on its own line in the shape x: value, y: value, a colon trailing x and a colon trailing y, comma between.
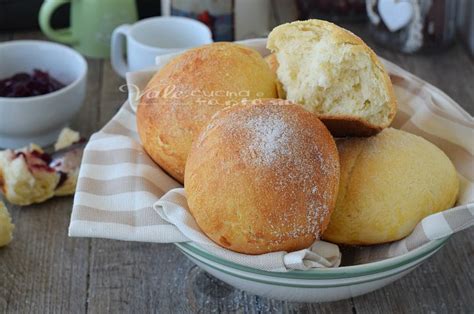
x: 152, y: 37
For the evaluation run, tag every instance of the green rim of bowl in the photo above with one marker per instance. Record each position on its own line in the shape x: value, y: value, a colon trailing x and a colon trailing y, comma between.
x: 293, y: 285
x: 326, y: 273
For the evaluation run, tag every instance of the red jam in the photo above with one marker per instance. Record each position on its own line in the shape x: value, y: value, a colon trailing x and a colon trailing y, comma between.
x: 27, y: 85
x: 36, y: 160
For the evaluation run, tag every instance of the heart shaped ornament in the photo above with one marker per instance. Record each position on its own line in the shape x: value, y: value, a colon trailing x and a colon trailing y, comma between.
x: 396, y: 14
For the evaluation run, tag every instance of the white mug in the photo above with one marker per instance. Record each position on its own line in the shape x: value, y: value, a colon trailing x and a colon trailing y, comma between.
x: 152, y: 37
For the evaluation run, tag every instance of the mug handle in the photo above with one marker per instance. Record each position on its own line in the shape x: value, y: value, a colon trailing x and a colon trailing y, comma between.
x: 44, y: 18
x: 119, y: 36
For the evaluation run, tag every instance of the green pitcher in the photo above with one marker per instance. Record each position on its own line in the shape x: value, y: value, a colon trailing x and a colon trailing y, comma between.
x: 92, y: 23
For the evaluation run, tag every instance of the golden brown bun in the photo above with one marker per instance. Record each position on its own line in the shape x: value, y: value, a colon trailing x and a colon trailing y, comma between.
x: 346, y: 125
x: 389, y: 183
x: 189, y: 90
x: 334, y: 74
x: 6, y: 226
x: 273, y: 64
x: 263, y: 178
x: 26, y: 178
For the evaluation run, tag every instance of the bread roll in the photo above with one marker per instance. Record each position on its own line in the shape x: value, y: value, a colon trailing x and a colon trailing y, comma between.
x: 333, y: 73
x: 389, y: 183
x: 273, y: 64
x: 25, y: 176
x: 66, y: 138
x: 263, y: 178
x: 181, y: 98
x: 6, y: 226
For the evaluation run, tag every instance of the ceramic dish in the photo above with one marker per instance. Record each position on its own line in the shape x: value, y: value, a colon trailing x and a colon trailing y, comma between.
x: 318, y: 285
x: 39, y: 119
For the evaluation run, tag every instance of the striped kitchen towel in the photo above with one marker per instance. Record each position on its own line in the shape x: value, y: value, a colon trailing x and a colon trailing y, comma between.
x: 119, y: 184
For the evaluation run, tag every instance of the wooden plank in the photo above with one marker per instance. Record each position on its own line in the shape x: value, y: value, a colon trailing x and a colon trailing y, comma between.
x: 138, y: 277
x: 455, y: 78
x: 112, y: 96
x: 443, y: 284
x: 87, y: 119
x: 43, y: 270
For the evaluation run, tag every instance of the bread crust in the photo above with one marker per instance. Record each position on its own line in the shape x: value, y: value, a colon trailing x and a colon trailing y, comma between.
x: 388, y: 184
x: 272, y: 62
x: 257, y: 202
x: 6, y: 225
x: 341, y: 125
x: 181, y: 98
x: 345, y: 125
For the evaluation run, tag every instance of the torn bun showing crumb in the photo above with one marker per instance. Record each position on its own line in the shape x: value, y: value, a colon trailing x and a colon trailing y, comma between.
x: 334, y: 74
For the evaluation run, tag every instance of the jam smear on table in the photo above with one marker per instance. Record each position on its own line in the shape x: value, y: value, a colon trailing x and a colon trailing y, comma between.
x: 26, y: 85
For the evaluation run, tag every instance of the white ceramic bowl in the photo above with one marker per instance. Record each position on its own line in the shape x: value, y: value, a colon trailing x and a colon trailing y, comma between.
x: 39, y: 119
x: 319, y: 285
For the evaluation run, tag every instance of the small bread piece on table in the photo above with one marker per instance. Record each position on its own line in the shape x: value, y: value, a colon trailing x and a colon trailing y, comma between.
x: 25, y: 175
x: 263, y: 177
x: 6, y: 226
x: 389, y: 183
x: 66, y: 138
x: 30, y: 175
x: 68, y: 162
x: 183, y: 96
x: 334, y: 74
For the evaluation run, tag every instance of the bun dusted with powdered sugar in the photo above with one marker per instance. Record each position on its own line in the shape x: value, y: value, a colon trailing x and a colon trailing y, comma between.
x: 263, y: 177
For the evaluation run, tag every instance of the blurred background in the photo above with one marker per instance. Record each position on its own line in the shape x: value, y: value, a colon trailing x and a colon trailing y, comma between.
x: 443, y: 21
x: 433, y: 39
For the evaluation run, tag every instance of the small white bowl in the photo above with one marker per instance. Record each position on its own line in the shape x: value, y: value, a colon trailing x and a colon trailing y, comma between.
x: 318, y: 285
x: 39, y: 119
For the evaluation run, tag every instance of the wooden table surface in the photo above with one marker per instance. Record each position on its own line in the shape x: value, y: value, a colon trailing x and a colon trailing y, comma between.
x: 43, y: 270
